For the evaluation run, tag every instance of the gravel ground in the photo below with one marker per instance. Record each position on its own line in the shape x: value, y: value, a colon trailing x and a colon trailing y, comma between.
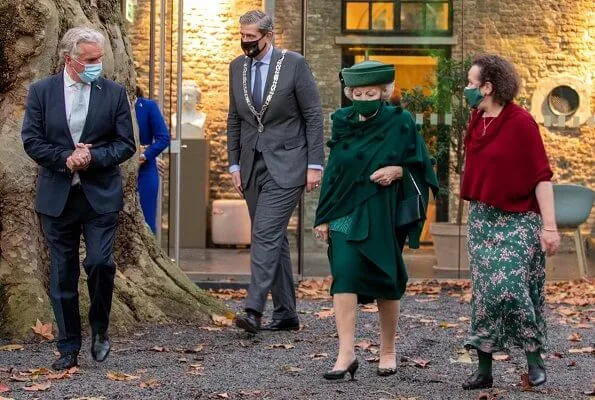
x: 235, y: 365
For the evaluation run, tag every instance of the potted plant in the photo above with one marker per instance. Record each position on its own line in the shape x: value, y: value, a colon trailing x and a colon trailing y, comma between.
x: 450, y: 236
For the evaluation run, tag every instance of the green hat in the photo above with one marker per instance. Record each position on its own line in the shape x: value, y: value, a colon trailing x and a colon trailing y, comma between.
x: 368, y: 73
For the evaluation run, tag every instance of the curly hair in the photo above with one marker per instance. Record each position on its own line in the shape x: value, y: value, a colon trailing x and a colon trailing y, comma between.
x: 387, y: 90
x: 501, y: 74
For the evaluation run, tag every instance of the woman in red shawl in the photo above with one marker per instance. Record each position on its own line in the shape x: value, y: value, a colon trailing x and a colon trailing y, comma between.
x: 511, y: 221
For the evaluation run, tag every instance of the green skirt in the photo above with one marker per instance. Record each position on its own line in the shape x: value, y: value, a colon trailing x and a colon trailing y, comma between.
x: 353, y: 272
x: 508, y: 275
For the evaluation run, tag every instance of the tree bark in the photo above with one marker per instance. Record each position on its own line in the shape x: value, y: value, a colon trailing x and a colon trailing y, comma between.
x: 149, y: 287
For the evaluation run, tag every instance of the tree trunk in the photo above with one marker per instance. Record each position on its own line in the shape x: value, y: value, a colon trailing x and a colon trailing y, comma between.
x: 149, y: 287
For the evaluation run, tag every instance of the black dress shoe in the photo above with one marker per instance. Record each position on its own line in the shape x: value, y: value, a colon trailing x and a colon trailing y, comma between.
x: 478, y: 381
x: 249, y: 322
x: 386, y: 371
x: 537, y: 375
x: 340, y: 373
x: 66, y: 361
x: 289, y: 324
x: 100, y: 347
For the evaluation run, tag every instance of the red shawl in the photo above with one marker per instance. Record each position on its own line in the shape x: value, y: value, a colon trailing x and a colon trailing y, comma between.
x: 503, y: 167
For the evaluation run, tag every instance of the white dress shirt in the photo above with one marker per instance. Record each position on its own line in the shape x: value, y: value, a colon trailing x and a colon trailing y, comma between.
x: 71, y: 88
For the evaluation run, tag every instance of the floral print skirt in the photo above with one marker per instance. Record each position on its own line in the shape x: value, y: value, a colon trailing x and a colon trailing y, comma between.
x: 508, y: 275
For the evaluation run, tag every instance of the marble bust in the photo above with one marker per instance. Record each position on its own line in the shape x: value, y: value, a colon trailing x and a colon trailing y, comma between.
x: 193, y: 121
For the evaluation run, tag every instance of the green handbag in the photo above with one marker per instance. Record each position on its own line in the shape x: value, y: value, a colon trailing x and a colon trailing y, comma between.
x: 410, y: 209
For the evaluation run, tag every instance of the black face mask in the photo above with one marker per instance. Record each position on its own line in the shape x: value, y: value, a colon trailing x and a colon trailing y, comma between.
x: 251, y: 49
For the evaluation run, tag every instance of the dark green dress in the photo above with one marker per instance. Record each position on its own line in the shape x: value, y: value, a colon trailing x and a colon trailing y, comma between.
x: 363, y: 251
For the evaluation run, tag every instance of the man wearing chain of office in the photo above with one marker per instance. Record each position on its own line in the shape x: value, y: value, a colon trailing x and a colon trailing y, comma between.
x: 275, y: 149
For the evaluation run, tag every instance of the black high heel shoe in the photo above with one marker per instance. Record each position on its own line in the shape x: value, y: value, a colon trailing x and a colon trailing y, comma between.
x: 340, y: 373
x: 386, y: 371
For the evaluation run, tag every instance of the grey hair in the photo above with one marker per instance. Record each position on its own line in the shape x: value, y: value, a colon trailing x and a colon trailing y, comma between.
x: 386, y: 91
x: 75, y: 36
x: 264, y: 20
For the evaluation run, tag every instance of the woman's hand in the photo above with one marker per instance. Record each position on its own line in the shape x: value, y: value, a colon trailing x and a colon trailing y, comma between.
x: 550, y: 241
x: 321, y: 232
x: 387, y: 175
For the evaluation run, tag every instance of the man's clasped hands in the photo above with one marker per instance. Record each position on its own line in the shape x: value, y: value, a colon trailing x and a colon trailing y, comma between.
x: 80, y: 157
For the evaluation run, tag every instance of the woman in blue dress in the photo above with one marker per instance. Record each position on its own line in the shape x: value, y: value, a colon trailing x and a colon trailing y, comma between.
x: 154, y: 138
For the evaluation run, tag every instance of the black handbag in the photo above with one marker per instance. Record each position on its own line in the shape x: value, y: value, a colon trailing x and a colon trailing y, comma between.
x: 410, y: 209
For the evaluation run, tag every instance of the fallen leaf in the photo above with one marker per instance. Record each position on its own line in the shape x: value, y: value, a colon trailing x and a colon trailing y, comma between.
x: 159, y: 349
x: 364, y: 345
x: 195, y: 369
x: 6, y: 398
x: 318, y: 356
x: 4, y: 388
x: 582, y: 350
x: 40, y: 371
x: 572, y: 364
x: 211, y: 328
x: 427, y: 321
x: 557, y: 355
x: 20, y: 378
x: 221, y: 320
x: 464, y: 319
x: 183, y: 359
x: 501, y: 357
x: 38, y: 387
x: 525, y: 385
x: 418, y: 362
x: 285, y: 346
x: 150, y: 384
x: 589, y: 392
x: 373, y: 359
x: 44, y: 330
x: 325, y: 313
x: 369, y: 308
x: 11, y: 347
x: 584, y: 326
x: 445, y: 325
x: 575, y: 337
x: 223, y: 395
x: 120, y: 376
x: 195, y: 350
x: 567, y: 312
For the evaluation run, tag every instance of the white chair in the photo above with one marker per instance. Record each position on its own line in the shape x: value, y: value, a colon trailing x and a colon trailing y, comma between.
x: 573, y: 205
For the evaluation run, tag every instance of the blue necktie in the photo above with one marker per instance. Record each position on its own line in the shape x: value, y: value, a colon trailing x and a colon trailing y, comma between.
x: 257, y: 89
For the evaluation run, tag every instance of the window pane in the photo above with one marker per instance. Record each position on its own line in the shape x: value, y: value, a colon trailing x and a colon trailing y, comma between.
x: 357, y: 16
x: 437, y: 16
x: 383, y: 16
x: 412, y: 17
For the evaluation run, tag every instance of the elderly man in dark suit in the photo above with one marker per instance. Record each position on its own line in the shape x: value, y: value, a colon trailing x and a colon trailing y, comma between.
x: 78, y: 128
x: 275, y: 148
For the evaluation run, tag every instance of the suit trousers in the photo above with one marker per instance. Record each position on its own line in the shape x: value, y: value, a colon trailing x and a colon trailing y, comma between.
x: 270, y: 208
x: 62, y: 235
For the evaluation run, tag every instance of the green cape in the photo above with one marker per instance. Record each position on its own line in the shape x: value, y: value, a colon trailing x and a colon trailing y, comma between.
x: 358, y: 148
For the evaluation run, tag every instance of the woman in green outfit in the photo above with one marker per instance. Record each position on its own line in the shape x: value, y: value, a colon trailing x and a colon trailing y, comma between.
x: 373, y: 196
x: 511, y: 221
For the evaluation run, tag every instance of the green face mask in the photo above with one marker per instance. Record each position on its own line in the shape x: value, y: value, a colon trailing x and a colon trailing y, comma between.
x: 473, y: 97
x: 367, y: 108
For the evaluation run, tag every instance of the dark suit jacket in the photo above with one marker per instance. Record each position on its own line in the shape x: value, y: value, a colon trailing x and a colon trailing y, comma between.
x: 293, y: 124
x: 47, y: 140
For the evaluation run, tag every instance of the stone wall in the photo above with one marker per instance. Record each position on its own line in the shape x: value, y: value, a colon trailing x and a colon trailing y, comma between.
x: 545, y: 40
x: 324, y: 56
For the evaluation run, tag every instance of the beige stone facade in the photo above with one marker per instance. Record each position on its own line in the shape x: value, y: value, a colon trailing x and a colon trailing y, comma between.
x: 545, y: 39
